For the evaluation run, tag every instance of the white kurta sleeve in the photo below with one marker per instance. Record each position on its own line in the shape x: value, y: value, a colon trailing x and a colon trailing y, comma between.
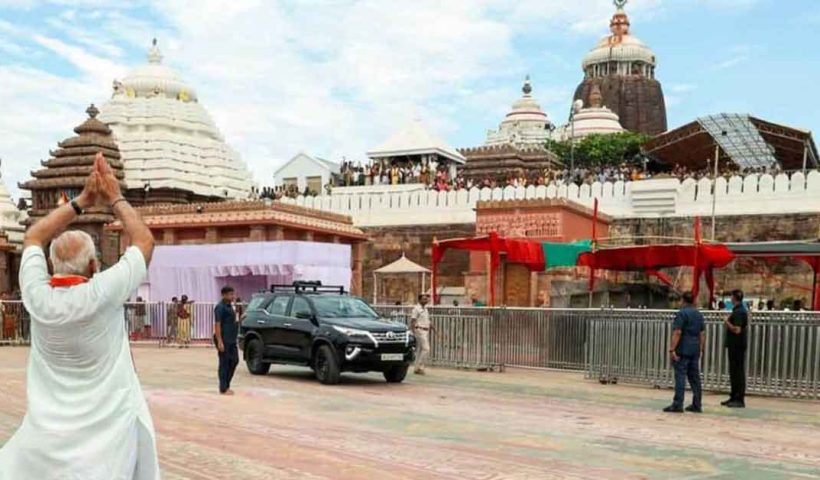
x: 33, y: 273
x: 118, y: 283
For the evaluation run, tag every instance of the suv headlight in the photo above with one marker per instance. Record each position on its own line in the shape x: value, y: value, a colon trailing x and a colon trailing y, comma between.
x: 351, y: 332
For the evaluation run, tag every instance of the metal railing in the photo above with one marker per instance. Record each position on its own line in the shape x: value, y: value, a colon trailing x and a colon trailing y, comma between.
x: 459, y: 337
x: 489, y: 337
x: 629, y: 346
x: 782, y: 358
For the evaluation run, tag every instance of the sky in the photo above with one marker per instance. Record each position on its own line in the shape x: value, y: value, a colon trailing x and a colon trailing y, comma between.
x: 333, y: 78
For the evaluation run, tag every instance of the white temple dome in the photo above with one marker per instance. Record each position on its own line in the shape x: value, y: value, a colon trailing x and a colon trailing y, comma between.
x: 622, y: 48
x: 10, y: 217
x: 592, y: 119
x: 167, y: 139
x: 525, y: 125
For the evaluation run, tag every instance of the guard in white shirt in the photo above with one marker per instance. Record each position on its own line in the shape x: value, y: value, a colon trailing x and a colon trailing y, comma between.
x: 421, y: 326
x: 86, y: 417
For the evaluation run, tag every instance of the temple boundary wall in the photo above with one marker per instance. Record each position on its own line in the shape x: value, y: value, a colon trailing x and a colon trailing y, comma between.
x: 653, y: 198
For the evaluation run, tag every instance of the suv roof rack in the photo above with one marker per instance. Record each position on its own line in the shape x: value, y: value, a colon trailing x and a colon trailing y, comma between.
x: 308, y: 287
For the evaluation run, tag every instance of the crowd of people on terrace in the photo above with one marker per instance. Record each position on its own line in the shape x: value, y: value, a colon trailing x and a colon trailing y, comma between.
x: 441, y: 178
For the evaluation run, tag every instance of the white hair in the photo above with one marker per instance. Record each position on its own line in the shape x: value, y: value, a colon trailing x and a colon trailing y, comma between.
x: 72, y: 252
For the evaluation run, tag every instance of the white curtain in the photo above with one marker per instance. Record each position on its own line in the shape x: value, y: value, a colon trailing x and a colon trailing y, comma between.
x: 200, y: 271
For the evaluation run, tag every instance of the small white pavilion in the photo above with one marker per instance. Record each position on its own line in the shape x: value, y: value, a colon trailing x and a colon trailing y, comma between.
x: 402, y: 266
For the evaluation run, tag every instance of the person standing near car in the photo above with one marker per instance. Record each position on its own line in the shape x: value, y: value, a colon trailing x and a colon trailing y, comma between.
x: 420, y: 324
x: 686, y: 350
x: 226, y: 330
x: 184, y: 322
x: 171, y: 321
x: 737, y: 325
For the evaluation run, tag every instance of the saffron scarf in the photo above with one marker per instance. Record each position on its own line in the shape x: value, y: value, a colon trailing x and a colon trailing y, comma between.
x: 67, y: 280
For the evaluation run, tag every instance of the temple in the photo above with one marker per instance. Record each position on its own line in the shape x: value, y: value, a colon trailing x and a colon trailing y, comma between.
x: 171, y: 149
x: 519, y: 144
x: 594, y: 118
x: 65, y: 173
x: 623, y: 69
x: 11, y: 217
x: 11, y: 239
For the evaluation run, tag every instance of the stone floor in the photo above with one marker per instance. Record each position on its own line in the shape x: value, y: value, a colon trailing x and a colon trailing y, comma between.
x: 520, y: 424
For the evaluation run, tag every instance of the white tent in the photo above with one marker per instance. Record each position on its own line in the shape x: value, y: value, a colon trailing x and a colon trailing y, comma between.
x: 199, y: 271
x: 402, y: 266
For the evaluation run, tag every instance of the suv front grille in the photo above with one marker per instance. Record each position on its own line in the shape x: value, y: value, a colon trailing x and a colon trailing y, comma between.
x: 390, y: 337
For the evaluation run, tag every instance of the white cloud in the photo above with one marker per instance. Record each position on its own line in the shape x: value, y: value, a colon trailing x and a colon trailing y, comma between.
x: 39, y: 109
x: 729, y: 4
x: 97, y: 69
x: 681, y: 87
x: 737, y: 55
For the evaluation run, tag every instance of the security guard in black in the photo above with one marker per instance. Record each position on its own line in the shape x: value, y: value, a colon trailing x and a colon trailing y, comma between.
x: 737, y: 338
x: 226, y: 329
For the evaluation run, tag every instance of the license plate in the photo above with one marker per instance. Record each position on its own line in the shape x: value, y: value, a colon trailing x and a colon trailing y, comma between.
x: 392, y: 357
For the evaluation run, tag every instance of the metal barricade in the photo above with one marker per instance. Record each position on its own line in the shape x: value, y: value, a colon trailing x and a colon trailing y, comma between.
x: 14, y: 323
x: 527, y: 337
x: 782, y: 358
x: 461, y: 337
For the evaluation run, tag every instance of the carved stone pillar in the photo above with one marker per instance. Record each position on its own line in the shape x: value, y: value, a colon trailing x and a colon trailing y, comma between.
x: 276, y: 234
x: 257, y: 233
x: 357, y: 260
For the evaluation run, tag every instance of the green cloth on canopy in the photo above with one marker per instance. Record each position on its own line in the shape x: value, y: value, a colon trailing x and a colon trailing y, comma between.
x: 563, y: 254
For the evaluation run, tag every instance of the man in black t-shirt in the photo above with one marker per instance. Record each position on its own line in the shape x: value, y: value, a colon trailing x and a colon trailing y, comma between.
x: 737, y: 326
x: 226, y: 329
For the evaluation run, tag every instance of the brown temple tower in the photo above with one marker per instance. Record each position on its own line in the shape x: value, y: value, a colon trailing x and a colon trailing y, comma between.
x: 623, y: 68
x: 65, y: 173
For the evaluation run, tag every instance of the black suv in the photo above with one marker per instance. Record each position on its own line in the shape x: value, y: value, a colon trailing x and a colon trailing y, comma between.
x: 325, y: 329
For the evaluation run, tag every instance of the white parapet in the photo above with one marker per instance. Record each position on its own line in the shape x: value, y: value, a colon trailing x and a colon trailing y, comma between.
x: 403, y: 205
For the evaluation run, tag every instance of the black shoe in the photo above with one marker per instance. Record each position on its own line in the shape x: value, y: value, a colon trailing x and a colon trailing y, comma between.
x: 726, y: 402
x: 693, y: 409
x: 735, y: 404
x: 673, y: 409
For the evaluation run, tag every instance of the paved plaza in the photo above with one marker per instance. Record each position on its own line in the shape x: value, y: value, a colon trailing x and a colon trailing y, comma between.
x: 521, y: 424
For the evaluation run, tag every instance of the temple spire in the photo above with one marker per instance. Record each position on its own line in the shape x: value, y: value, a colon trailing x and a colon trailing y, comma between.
x: 527, y: 88
x: 619, y: 25
x: 154, y: 55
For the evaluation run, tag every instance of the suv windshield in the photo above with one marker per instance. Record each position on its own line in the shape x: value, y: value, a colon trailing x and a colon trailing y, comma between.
x: 329, y: 306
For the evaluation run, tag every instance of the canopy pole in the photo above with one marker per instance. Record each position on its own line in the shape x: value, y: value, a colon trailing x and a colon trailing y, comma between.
x: 375, y: 289
x: 422, y: 283
x: 494, y: 264
x: 594, y: 243
x: 805, y: 157
x: 714, y: 188
x: 436, y: 257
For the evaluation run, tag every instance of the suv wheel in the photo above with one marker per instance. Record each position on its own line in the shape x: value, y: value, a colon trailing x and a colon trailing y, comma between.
x: 396, y: 374
x: 326, y: 365
x: 253, y: 358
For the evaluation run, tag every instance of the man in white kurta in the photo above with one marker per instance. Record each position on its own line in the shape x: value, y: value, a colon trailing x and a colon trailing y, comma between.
x: 87, y: 418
